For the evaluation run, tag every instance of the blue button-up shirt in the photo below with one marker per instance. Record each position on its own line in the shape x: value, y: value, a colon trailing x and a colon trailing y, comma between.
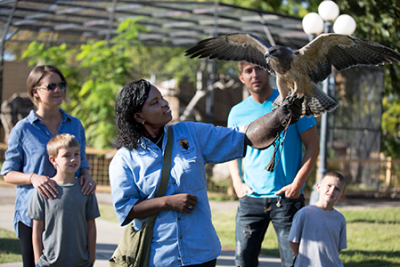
x: 178, y: 238
x: 27, y: 153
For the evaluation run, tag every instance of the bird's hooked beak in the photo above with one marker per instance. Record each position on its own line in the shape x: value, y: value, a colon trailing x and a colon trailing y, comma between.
x: 266, y: 56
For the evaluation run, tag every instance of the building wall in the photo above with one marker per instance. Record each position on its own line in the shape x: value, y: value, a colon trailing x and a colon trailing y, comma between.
x: 14, y: 78
x: 15, y: 74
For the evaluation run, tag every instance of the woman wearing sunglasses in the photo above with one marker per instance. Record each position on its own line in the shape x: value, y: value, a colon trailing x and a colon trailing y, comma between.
x: 27, y: 163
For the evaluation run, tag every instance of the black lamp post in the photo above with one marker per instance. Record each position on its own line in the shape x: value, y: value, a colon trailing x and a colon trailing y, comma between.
x: 314, y: 24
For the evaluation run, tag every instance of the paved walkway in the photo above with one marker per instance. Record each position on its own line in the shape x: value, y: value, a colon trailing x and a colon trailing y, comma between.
x: 109, y: 233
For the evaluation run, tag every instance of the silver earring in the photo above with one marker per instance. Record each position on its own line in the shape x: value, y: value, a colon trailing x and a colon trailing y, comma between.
x: 143, y: 122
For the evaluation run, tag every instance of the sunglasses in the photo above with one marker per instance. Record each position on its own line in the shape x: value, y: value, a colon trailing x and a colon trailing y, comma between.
x: 52, y: 86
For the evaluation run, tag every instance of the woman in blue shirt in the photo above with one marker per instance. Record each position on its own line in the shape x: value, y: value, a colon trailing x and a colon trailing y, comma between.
x: 27, y: 163
x: 183, y: 233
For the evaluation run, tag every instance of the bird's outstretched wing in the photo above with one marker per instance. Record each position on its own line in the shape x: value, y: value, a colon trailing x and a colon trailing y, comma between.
x: 232, y: 47
x: 343, y: 52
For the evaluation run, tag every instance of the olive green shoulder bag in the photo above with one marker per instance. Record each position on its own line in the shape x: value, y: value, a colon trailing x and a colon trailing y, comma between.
x: 134, y: 247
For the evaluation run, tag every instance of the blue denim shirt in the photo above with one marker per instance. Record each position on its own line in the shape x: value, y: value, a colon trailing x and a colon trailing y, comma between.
x: 178, y: 238
x: 27, y: 153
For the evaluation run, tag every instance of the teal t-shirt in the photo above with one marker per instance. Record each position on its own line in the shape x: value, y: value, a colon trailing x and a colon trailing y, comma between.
x: 262, y: 182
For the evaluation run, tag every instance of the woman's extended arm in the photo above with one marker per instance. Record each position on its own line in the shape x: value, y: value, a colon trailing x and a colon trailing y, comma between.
x: 263, y: 132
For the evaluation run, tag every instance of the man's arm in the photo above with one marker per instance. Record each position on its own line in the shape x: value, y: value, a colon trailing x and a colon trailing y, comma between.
x: 91, y: 239
x: 240, y: 188
x: 311, y: 142
x: 295, y: 247
x: 37, y: 232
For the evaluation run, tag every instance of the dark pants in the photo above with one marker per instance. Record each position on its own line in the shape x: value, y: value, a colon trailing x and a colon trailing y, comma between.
x: 212, y: 263
x: 252, y: 220
x: 37, y: 265
x: 25, y: 241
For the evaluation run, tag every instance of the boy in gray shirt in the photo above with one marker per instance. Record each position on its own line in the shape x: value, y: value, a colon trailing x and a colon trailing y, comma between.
x: 64, y: 228
x: 318, y: 231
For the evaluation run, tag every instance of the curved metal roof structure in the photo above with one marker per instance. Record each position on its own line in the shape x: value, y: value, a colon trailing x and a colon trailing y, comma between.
x: 170, y: 23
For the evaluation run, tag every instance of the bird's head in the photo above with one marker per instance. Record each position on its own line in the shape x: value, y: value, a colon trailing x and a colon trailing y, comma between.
x: 277, y: 51
x: 279, y: 57
x: 272, y: 52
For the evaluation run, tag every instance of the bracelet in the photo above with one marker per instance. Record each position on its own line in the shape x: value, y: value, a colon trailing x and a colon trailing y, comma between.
x: 30, y: 178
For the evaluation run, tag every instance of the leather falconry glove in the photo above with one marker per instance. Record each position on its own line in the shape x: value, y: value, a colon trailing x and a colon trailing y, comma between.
x: 263, y: 132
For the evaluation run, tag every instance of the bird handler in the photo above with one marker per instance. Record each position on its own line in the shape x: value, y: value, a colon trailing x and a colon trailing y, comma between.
x: 183, y: 233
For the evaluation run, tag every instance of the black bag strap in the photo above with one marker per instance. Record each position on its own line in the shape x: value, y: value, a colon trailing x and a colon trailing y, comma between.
x: 166, y: 168
x: 165, y: 172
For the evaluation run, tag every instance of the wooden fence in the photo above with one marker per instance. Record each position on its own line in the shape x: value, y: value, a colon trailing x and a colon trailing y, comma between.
x: 380, y: 176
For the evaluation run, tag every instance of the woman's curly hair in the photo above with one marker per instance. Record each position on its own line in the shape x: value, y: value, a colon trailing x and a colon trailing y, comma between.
x: 130, y: 101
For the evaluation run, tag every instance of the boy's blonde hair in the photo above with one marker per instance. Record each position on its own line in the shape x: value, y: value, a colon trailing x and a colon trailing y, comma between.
x: 61, y: 141
x: 338, y: 176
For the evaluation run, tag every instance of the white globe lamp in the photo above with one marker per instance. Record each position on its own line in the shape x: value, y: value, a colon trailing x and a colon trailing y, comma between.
x: 344, y: 24
x: 328, y: 10
x: 313, y: 24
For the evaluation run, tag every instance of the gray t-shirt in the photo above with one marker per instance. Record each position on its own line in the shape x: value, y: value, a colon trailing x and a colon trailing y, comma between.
x: 65, y: 221
x: 321, y: 234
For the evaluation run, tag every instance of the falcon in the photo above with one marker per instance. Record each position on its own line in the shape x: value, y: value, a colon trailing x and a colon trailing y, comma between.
x: 299, y: 71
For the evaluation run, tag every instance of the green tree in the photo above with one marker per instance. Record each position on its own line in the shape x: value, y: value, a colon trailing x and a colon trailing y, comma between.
x: 108, y: 66
x: 103, y: 67
x: 377, y: 20
x: 287, y: 7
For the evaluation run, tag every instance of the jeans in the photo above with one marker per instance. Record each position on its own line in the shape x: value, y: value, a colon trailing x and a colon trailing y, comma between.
x: 252, y: 220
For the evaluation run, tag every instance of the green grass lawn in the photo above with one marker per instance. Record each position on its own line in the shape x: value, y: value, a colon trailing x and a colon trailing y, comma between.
x: 9, y: 247
x: 372, y: 237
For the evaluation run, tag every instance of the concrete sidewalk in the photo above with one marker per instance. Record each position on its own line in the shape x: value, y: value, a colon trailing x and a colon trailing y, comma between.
x: 109, y: 233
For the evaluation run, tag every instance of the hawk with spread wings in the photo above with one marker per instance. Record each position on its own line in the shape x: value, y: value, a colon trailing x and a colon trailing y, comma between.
x: 299, y: 71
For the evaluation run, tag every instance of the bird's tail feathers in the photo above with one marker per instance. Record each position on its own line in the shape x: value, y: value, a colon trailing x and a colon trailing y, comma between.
x: 313, y: 105
x: 305, y: 107
x: 317, y: 104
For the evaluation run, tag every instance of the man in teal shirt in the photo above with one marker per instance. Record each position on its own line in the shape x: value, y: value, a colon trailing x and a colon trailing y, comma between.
x: 269, y: 196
